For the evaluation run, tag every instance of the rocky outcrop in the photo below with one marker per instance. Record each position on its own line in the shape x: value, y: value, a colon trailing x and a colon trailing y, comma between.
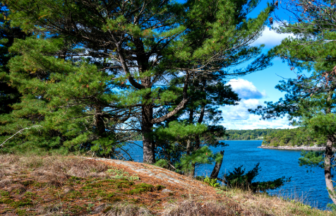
x: 295, y: 148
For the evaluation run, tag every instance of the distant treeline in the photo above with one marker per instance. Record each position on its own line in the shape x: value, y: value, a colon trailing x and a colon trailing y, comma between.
x: 293, y: 137
x: 257, y: 134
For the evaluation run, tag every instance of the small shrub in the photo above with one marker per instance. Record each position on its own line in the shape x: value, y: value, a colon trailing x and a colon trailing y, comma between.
x: 211, y: 182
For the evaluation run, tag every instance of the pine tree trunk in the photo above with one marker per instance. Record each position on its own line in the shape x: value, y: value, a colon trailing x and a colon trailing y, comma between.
x: 147, y: 127
x: 327, y: 170
x: 100, y: 125
x: 191, y: 171
x: 196, y: 147
x: 217, y: 167
x: 328, y: 155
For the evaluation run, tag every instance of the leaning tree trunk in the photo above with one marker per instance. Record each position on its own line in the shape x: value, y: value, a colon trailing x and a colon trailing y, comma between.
x: 327, y: 169
x: 217, y: 167
x: 329, y: 155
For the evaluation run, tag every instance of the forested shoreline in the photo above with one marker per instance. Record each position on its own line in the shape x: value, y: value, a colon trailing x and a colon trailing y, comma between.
x: 293, y: 137
x: 256, y: 134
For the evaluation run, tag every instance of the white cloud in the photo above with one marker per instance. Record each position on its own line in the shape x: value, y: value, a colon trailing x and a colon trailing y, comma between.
x: 240, y: 112
x: 238, y: 117
x: 245, y: 89
x: 270, y: 37
x: 254, y: 122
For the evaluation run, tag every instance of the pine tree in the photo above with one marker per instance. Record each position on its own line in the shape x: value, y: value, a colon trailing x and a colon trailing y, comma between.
x: 184, y: 142
x: 8, y: 94
x: 67, y: 102
x: 147, y: 43
x: 310, y: 98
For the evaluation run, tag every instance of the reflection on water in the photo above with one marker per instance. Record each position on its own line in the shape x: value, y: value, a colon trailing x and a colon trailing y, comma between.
x: 307, y: 186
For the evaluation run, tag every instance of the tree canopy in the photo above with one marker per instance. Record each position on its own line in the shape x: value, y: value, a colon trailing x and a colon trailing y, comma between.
x: 93, y: 71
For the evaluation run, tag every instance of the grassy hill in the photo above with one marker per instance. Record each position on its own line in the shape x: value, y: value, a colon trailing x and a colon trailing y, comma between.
x: 58, y: 185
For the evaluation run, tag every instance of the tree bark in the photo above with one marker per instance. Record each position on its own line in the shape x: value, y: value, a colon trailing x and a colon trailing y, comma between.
x: 147, y: 127
x: 100, y: 125
x: 327, y: 169
x: 148, y: 121
x: 197, y: 138
x: 217, y: 167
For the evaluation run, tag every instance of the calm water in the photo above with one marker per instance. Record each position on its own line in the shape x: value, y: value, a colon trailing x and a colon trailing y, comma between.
x: 309, y: 187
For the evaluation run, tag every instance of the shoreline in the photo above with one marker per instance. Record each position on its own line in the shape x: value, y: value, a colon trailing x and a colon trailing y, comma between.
x: 296, y: 148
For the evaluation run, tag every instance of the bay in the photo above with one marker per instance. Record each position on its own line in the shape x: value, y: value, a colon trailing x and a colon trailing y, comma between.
x: 308, y: 187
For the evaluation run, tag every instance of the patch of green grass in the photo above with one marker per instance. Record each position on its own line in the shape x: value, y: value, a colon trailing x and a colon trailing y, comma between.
x: 74, y: 194
x: 124, y: 184
x: 4, y: 193
x: 120, y: 174
x: 21, y: 212
x: 29, y: 194
x: 134, y: 178
x: 6, y: 201
x: 140, y: 188
x: 23, y: 202
x: 146, y: 186
x: 110, y: 195
x: 39, y: 184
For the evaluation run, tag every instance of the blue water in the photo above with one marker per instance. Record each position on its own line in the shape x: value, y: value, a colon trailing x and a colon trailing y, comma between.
x: 308, y: 187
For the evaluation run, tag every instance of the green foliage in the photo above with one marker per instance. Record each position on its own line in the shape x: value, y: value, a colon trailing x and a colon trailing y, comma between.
x: 311, y: 159
x: 9, y: 94
x: 211, y: 182
x: 238, y: 178
x: 202, y: 155
x: 137, y: 66
x: 140, y: 188
x: 256, y: 134
x: 294, y: 137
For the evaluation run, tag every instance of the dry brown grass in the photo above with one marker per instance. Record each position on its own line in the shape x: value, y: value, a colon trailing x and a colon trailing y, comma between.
x: 58, y: 185
x: 196, y: 208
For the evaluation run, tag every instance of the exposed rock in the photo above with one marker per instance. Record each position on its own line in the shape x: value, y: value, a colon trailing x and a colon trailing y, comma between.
x: 295, y: 148
x: 166, y: 191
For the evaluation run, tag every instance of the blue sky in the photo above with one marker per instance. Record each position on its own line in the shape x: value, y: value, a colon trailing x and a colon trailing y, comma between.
x: 258, y: 87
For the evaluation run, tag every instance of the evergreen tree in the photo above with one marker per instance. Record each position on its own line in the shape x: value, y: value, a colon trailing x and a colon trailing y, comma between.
x: 8, y: 94
x: 147, y: 43
x: 68, y: 97
x: 310, y: 98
